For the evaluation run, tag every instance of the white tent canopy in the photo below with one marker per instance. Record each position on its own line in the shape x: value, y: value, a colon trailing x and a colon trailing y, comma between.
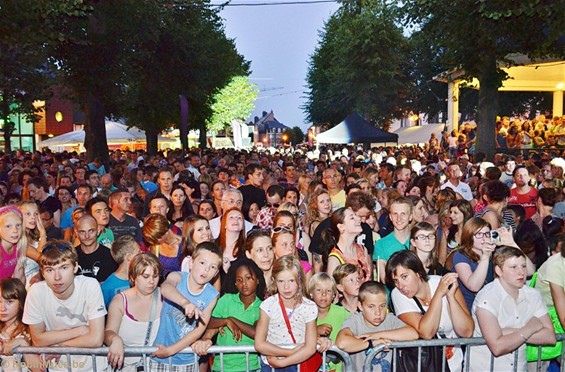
x: 116, y: 133
x: 418, y: 134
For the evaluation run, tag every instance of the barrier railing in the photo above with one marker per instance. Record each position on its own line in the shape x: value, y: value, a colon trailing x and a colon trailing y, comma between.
x: 444, y: 342
x: 143, y: 352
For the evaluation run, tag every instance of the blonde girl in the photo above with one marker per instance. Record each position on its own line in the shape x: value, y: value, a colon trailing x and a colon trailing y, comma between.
x: 36, y: 237
x: 14, y: 333
x: 288, y: 305
x: 13, y: 243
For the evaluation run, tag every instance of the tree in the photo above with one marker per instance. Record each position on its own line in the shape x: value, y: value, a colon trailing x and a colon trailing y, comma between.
x: 477, y: 36
x: 29, y: 30
x: 137, y: 69
x: 235, y: 101
x: 193, y: 69
x: 359, y: 65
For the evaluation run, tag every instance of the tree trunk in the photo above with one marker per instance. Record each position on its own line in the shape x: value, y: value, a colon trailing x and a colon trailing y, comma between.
x: 488, y: 107
x: 202, y: 136
x: 8, y: 126
x: 151, y: 135
x: 95, y: 140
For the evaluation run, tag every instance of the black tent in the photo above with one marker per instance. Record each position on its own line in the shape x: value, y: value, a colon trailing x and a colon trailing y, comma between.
x: 355, y: 129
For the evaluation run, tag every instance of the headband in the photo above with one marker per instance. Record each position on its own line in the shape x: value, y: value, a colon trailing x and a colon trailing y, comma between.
x: 11, y: 208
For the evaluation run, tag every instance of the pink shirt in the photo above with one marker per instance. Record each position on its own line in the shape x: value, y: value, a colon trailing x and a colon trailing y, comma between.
x: 8, y: 262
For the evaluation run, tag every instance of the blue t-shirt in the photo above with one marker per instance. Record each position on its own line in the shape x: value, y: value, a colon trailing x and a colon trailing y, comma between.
x: 112, y: 286
x: 385, y: 247
x: 67, y: 218
x: 469, y: 296
x: 175, y: 325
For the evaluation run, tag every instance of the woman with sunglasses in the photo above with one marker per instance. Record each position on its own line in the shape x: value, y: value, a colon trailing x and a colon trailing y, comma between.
x: 287, y: 216
x: 345, y: 227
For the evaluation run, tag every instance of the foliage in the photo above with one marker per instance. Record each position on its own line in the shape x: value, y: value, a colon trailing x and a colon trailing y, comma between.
x: 360, y: 65
x: 137, y: 69
x: 235, y: 101
x: 294, y: 135
x: 28, y: 31
x: 477, y: 35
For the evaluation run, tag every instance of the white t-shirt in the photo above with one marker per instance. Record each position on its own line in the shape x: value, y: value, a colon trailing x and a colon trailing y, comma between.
x: 277, y: 333
x: 403, y: 304
x: 462, y: 188
x: 86, y: 303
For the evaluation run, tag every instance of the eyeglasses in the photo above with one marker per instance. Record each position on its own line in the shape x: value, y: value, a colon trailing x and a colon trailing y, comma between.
x: 50, y: 246
x: 233, y: 201
x: 273, y: 205
x: 425, y: 237
x: 480, y: 235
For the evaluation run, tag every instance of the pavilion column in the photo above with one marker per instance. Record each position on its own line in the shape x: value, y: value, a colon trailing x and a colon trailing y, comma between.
x: 453, y: 105
x: 558, y: 103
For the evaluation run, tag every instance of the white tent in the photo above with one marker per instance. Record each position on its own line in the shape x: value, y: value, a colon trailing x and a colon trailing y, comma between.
x: 418, y: 134
x: 116, y: 133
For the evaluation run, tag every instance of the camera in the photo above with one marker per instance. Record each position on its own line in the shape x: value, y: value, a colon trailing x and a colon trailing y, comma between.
x: 494, y: 236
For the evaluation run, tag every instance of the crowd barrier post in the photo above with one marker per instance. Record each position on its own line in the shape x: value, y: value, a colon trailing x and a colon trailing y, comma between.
x: 145, y: 351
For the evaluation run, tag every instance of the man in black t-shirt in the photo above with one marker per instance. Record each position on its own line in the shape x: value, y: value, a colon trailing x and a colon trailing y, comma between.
x: 253, y: 191
x: 94, y: 260
x: 120, y: 222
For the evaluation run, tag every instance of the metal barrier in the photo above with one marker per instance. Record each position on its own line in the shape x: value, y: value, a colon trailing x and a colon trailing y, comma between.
x: 444, y: 342
x: 143, y: 352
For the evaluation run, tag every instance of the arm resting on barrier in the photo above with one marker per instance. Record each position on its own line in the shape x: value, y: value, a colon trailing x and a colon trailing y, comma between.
x: 230, y: 322
x: 350, y: 343
x: 263, y: 346
x: 301, y: 354
x: 111, y: 337
x: 186, y: 341
x: 91, y: 335
x: 500, y: 344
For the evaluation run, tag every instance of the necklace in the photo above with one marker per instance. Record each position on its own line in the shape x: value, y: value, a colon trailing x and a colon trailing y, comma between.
x: 425, y: 303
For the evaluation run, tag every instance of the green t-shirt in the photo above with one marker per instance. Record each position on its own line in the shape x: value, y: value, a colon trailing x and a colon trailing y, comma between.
x: 106, y: 238
x: 229, y: 305
x: 335, y: 317
x: 385, y: 247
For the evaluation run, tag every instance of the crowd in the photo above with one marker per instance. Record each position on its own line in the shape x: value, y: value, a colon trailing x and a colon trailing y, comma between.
x: 342, y: 246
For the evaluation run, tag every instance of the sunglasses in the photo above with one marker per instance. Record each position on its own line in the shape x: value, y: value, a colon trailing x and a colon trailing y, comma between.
x: 280, y: 229
x: 51, y: 246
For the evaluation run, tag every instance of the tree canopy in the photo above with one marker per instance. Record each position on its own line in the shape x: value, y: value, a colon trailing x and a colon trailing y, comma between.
x: 235, y: 101
x: 130, y: 58
x: 360, y: 65
x: 476, y: 36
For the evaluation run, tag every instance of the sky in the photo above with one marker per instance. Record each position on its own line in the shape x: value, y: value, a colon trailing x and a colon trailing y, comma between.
x: 278, y: 41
